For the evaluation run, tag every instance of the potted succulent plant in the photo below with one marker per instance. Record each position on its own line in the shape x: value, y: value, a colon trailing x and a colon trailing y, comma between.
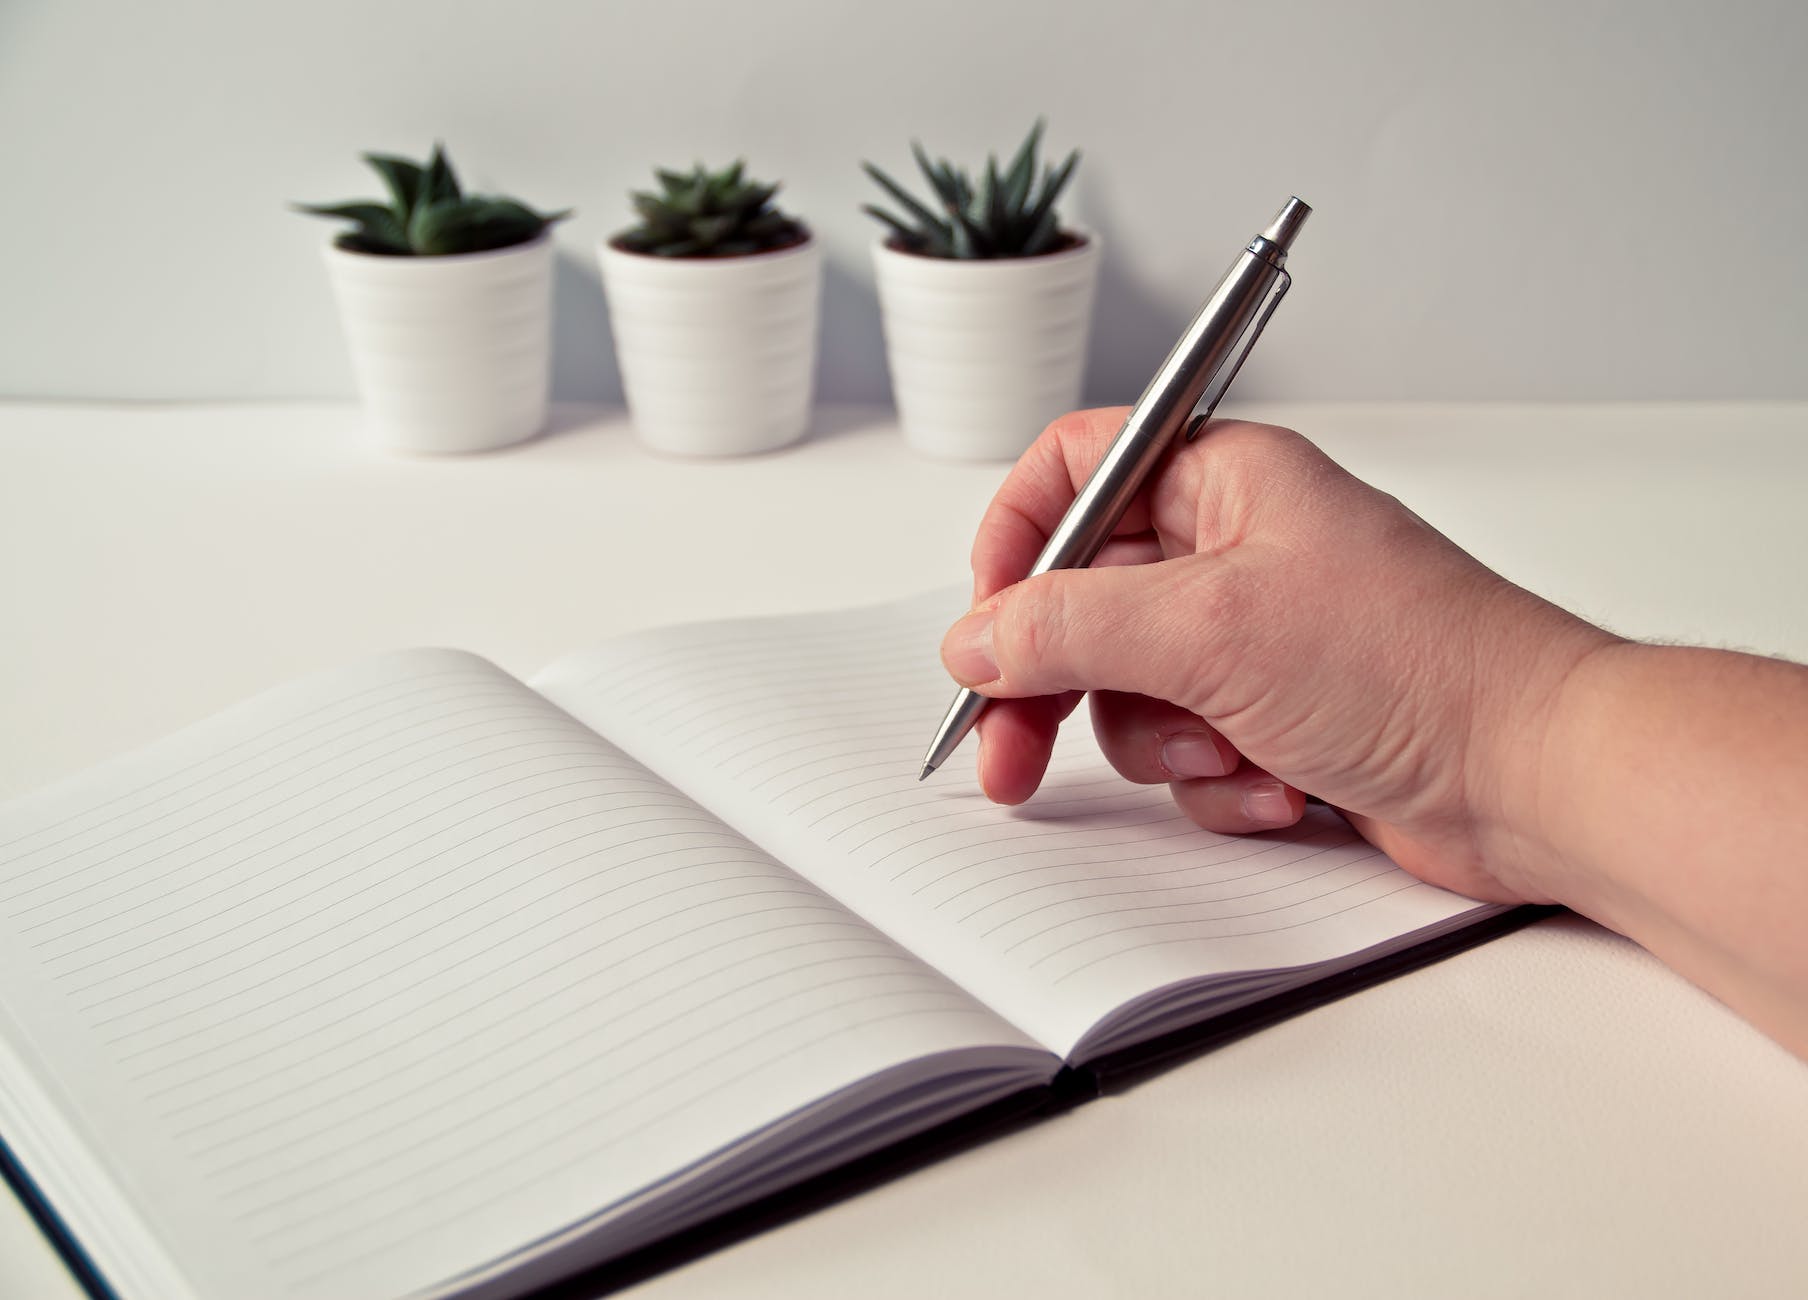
x: 714, y: 298
x: 446, y: 299
x: 986, y: 299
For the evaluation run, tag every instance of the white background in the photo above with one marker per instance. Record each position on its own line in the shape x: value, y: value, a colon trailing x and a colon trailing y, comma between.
x: 1552, y: 200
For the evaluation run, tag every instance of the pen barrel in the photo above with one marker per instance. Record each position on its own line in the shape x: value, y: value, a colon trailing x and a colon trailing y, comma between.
x: 1237, y: 311
x: 1160, y: 414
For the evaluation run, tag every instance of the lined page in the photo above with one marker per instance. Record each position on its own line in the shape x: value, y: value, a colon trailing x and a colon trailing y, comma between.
x: 390, y: 972
x: 807, y: 732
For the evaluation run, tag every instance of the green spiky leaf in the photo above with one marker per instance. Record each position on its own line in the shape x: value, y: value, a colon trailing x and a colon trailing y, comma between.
x: 927, y: 221
x: 1005, y: 214
x: 428, y: 215
x: 1043, y: 236
x: 988, y: 205
x: 471, y: 225
x: 442, y: 182
x: 377, y: 228
x: 1052, y: 185
x: 406, y: 182
x: 1023, y: 166
x: 364, y: 213
x: 939, y: 181
x: 708, y: 214
x: 902, y: 230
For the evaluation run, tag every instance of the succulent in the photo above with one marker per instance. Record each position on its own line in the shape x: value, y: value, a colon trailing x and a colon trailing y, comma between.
x: 709, y: 214
x: 1008, y: 214
x: 428, y: 215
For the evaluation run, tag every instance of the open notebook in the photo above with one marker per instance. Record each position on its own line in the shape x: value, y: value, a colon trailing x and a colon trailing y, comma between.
x: 414, y: 979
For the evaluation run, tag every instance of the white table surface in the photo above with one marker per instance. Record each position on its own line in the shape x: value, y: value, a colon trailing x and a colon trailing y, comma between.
x: 1551, y: 1114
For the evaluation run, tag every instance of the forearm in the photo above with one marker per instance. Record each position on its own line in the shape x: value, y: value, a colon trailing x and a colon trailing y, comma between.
x: 1669, y: 801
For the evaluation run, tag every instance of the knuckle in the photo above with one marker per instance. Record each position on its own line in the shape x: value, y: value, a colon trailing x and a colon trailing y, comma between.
x: 1063, y: 425
x: 1268, y: 451
x: 1246, y: 437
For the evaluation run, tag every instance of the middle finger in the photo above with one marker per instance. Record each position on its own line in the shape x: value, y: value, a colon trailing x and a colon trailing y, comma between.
x: 1153, y: 742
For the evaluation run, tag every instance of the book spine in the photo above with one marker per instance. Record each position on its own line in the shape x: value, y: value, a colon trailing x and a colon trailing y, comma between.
x: 80, y: 1265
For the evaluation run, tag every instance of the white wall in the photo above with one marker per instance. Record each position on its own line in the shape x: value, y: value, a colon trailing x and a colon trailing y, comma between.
x: 1547, y: 200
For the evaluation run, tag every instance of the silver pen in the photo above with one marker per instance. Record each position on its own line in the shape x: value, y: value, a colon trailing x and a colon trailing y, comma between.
x: 1194, y: 377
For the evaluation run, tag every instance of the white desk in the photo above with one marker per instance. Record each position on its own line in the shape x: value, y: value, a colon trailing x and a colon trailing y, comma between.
x: 1552, y: 1114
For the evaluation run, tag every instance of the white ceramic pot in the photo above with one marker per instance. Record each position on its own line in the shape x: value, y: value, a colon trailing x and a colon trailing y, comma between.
x: 717, y: 354
x: 451, y: 354
x: 985, y: 353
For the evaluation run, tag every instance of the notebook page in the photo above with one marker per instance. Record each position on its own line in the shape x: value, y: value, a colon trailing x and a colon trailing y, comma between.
x: 397, y: 969
x: 807, y: 733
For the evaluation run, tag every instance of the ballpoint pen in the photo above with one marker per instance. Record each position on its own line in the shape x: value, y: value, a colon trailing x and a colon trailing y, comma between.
x: 1194, y: 377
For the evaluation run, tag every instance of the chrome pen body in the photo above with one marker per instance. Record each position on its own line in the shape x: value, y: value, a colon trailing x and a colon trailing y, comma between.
x: 1195, y: 376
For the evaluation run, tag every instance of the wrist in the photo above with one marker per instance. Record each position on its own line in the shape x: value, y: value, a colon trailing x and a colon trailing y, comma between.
x: 1535, y: 675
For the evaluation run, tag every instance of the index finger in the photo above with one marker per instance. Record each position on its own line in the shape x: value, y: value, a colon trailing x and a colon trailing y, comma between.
x: 1037, y: 492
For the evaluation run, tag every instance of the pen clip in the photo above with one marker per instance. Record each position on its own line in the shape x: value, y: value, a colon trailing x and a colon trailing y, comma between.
x: 1215, y: 393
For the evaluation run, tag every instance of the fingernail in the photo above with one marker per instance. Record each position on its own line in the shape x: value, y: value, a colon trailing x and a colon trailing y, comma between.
x: 967, y: 650
x: 1193, y: 753
x: 1266, y: 803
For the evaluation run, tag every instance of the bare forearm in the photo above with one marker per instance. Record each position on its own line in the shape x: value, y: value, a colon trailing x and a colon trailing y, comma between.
x: 1669, y: 801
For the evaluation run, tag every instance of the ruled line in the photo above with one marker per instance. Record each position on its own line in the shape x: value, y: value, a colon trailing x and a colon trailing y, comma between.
x: 389, y: 834
x: 945, y: 1003
x: 1116, y: 931
x: 586, y: 1153
x: 225, y: 753
x: 498, y: 993
x: 388, y: 929
x: 1096, y: 916
x: 264, y: 953
x: 168, y: 811
x: 258, y: 940
x: 1206, y: 865
x: 1143, y: 945
x: 1190, y: 848
x: 120, y: 1038
x: 520, y: 1081
x: 136, y: 866
x: 215, y: 1121
x: 670, y: 660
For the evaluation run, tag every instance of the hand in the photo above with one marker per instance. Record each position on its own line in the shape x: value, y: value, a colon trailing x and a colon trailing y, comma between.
x: 1264, y: 624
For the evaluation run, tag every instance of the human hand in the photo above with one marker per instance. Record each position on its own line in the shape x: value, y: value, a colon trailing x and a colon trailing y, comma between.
x: 1262, y: 624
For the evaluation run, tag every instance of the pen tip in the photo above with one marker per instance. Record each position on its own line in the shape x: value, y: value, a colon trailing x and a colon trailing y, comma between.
x: 927, y: 769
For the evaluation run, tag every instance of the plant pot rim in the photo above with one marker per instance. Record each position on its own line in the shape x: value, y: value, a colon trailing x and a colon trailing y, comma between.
x: 808, y: 242
x: 439, y: 259
x: 1088, y: 243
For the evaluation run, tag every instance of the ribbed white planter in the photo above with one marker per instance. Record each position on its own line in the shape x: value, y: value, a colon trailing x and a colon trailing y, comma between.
x: 451, y: 354
x: 717, y: 354
x: 985, y: 353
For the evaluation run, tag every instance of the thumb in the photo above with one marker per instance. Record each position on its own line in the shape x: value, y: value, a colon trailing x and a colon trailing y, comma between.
x: 1144, y: 628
